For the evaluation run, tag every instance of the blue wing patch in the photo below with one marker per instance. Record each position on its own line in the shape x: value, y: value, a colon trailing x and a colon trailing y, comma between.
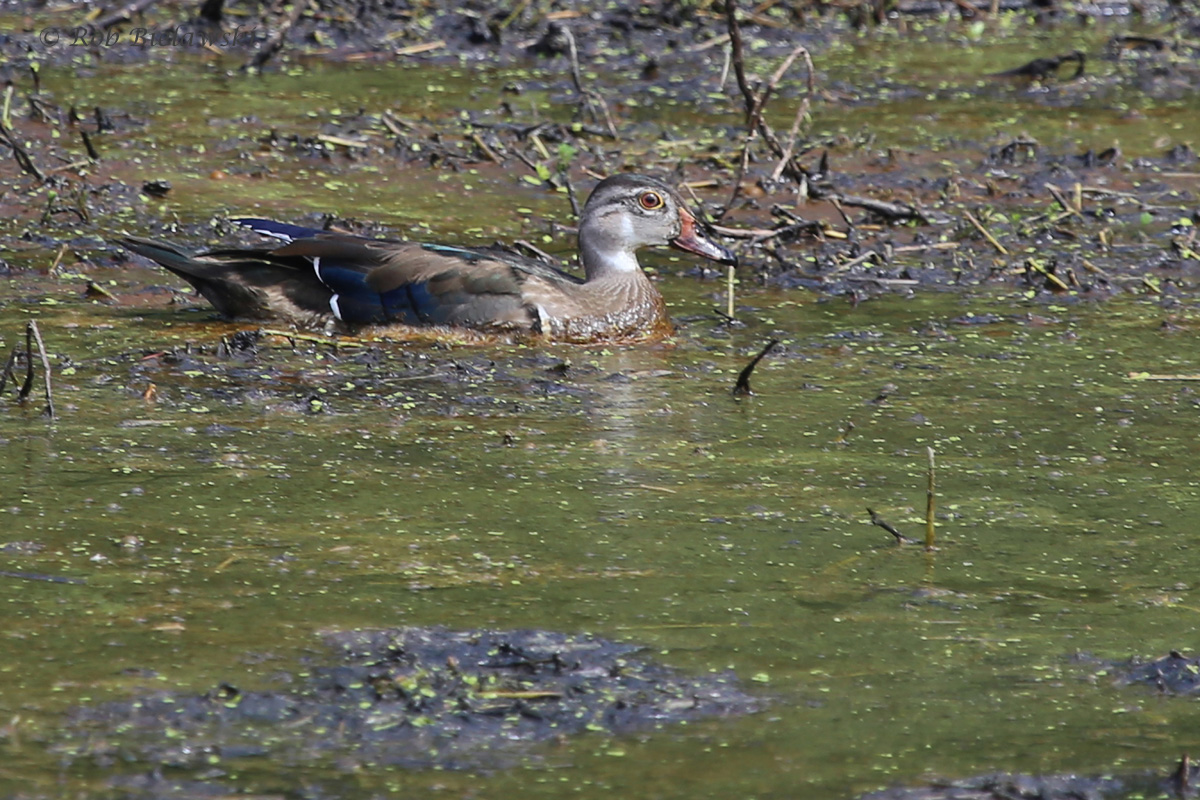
x: 410, y: 303
x: 355, y: 302
x: 277, y: 230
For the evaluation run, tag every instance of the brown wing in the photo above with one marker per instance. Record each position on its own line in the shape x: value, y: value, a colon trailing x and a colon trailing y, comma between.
x: 420, y: 284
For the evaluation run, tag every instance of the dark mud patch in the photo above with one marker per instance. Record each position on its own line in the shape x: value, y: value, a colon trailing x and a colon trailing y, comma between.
x: 1174, y: 673
x: 418, y: 698
x: 1006, y: 786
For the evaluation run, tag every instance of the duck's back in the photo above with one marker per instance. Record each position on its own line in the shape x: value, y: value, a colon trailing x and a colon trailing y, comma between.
x: 381, y: 283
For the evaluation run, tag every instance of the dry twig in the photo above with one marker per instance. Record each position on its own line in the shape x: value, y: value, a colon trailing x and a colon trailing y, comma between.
x: 881, y: 522
x: 275, y: 41
x: 755, y: 102
x: 124, y: 14
x: 986, y: 234
x: 24, y: 161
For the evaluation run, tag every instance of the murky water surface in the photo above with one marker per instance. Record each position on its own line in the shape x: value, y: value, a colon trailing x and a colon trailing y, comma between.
x: 633, y: 497
x: 950, y: 90
x: 212, y: 529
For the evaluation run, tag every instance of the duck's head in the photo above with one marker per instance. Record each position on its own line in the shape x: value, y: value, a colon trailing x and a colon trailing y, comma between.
x: 626, y: 212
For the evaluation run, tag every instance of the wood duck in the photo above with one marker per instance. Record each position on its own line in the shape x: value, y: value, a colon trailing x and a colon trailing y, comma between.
x: 317, y: 277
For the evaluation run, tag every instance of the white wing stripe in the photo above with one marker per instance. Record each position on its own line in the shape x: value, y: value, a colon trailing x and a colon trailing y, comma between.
x: 333, y: 300
x: 283, y: 237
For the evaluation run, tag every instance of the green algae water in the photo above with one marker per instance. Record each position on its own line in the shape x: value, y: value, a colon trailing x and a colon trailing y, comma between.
x: 199, y: 511
x: 623, y: 491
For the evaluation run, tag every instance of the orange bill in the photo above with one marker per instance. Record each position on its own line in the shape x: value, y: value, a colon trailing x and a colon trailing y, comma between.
x: 693, y: 240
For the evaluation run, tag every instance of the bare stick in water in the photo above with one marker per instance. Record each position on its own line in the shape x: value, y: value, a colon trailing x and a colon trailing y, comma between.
x: 32, y: 334
x: 742, y: 387
x: 930, y: 502
x: 881, y: 522
x: 732, y: 279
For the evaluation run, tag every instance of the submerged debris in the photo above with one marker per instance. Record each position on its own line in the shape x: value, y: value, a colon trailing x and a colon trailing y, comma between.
x: 1173, y: 673
x: 1005, y: 786
x: 1009, y: 786
x: 413, y: 697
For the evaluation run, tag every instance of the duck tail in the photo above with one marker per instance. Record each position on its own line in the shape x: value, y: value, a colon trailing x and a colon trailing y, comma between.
x: 166, y: 255
x: 217, y: 280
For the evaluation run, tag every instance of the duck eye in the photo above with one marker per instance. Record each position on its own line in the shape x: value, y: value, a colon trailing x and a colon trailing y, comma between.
x: 650, y: 200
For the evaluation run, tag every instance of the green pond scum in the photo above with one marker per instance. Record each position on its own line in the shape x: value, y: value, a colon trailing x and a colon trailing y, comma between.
x: 214, y: 500
x: 218, y: 526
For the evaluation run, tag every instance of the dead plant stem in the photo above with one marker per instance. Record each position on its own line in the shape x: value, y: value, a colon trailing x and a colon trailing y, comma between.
x: 986, y: 234
x: 930, y: 501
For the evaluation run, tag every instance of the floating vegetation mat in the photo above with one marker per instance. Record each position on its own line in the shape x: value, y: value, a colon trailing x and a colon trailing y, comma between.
x: 413, y: 697
x: 1025, y: 787
x: 1174, y: 673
